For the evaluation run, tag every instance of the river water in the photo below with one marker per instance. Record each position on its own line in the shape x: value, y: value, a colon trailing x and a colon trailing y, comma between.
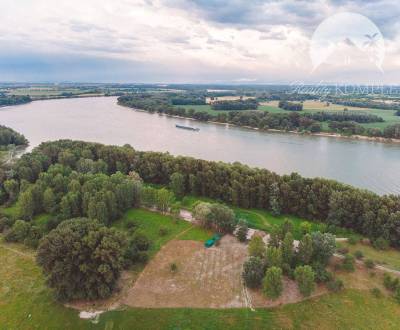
x: 365, y: 164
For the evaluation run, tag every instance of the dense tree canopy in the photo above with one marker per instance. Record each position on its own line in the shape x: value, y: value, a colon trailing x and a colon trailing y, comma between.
x: 82, y: 259
x: 320, y: 199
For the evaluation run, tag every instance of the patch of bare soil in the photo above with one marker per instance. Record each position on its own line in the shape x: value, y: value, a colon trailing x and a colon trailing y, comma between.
x: 205, y: 278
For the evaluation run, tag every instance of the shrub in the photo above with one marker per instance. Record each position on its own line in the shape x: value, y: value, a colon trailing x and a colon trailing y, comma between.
x: 390, y: 283
x: 163, y: 231
x: 397, y: 295
x: 242, y: 230
x: 82, y: 259
x: 304, y: 276
x: 173, y: 267
x: 18, y: 232
x: 376, y: 292
x: 33, y: 238
x: 352, y: 240
x: 348, y: 263
x: 335, y: 285
x: 358, y: 255
x: 369, y: 263
x: 321, y: 274
x: 253, y: 272
x: 272, y: 283
x: 5, y: 223
x: 305, y: 227
x: 381, y: 244
x: 257, y: 247
x: 136, y: 250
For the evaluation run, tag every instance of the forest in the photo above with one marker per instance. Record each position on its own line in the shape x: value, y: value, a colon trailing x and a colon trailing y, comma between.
x: 249, y: 104
x: 89, y: 179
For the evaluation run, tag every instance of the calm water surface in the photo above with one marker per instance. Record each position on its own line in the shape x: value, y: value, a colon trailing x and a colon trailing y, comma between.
x: 375, y: 166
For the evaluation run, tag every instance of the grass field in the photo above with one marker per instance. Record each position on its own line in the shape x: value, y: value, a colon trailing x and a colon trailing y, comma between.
x: 149, y: 223
x: 310, y: 106
x: 26, y: 303
x: 389, y: 258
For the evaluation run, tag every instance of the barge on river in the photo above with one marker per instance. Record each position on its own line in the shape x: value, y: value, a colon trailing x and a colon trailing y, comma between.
x: 188, y: 128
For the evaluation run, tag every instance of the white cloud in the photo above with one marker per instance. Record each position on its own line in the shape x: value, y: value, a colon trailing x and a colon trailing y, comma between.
x: 264, y: 40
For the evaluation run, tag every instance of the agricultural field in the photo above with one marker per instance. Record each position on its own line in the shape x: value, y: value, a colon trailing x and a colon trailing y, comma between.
x: 49, y: 92
x: 310, y: 106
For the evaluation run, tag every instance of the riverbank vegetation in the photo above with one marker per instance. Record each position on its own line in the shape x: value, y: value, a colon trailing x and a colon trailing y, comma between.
x: 7, y: 100
x: 10, y: 137
x: 272, y: 116
x: 78, y: 178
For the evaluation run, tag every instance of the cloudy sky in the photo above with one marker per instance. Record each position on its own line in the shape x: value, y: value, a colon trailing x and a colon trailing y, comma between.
x: 198, y: 41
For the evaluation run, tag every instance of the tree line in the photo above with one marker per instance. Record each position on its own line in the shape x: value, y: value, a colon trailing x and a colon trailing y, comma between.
x: 14, y: 100
x: 319, y: 199
x: 355, y: 116
x: 247, y: 104
x: 9, y: 136
x: 292, y: 121
x: 290, y: 106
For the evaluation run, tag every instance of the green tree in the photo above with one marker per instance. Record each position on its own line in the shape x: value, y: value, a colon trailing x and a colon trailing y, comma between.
x: 253, y: 272
x: 177, y: 184
x: 274, y: 199
x: 49, y: 201
x: 82, y: 259
x: 257, y: 247
x: 324, y: 245
x: 305, y: 227
x: 26, y: 204
x: 202, y: 213
x: 305, y: 251
x: 19, y: 231
x: 274, y: 237
x: 304, y: 276
x: 11, y: 187
x: 163, y: 199
x: 287, y: 249
x: 242, y: 230
x: 223, y: 218
x: 272, y: 283
x: 274, y: 257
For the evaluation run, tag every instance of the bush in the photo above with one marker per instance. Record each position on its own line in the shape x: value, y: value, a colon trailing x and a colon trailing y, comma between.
x: 5, y: 223
x: 253, y: 272
x: 82, y: 259
x: 348, y: 263
x: 381, y: 244
x: 352, y: 240
x: 18, y: 232
x: 390, y: 283
x: 274, y: 257
x: 163, y: 231
x: 305, y: 276
x: 136, y: 250
x: 257, y: 247
x: 335, y: 285
x: 321, y: 274
x: 173, y: 267
x: 376, y: 292
x: 358, y: 255
x: 33, y: 238
x: 272, y: 283
x: 369, y: 263
x: 305, y: 228
x: 397, y: 295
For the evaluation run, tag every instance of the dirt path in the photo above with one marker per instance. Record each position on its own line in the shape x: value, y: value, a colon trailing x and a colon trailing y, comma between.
x: 20, y: 253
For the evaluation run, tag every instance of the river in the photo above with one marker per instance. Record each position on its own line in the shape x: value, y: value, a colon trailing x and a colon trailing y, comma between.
x: 371, y: 165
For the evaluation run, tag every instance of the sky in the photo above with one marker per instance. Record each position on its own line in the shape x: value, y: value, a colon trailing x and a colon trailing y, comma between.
x: 198, y: 41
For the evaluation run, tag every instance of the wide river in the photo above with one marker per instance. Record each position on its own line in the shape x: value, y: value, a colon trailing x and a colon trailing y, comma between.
x: 375, y: 166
